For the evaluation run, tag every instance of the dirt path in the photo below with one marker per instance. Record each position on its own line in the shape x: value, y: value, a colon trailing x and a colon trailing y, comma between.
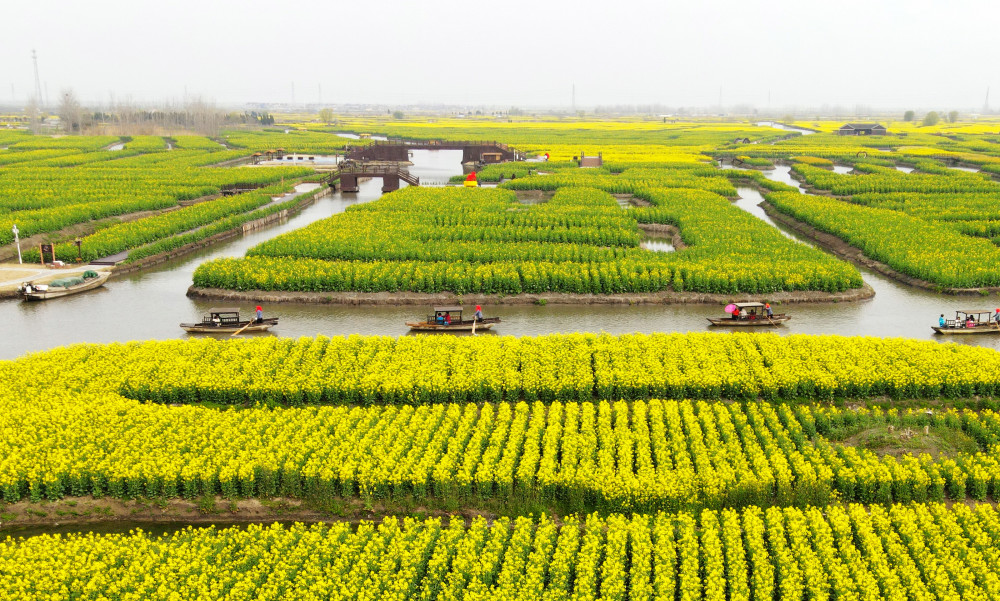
x: 26, y: 518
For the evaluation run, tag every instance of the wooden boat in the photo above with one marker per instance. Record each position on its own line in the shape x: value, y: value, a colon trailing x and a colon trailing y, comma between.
x: 227, y: 321
x: 64, y: 286
x: 453, y: 322
x: 756, y: 317
x: 980, y: 319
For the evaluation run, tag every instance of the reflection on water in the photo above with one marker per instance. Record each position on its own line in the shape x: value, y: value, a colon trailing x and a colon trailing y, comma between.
x: 657, y: 245
x: 776, y: 125
x: 151, y: 304
x: 842, y: 169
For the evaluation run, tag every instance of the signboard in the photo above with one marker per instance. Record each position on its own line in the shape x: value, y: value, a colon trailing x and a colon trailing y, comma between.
x: 47, y: 248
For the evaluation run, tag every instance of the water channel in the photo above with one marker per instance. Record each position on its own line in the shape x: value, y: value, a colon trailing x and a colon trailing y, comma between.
x: 150, y: 304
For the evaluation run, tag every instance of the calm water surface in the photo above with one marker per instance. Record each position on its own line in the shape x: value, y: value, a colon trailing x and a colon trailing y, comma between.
x: 151, y: 304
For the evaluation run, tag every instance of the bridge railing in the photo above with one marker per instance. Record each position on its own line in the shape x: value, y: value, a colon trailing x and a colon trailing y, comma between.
x: 400, y: 142
x: 370, y: 169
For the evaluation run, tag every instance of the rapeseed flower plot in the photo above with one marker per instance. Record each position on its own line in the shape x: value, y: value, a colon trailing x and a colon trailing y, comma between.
x: 581, y: 241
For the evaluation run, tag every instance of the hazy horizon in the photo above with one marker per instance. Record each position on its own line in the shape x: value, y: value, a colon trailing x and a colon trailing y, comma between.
x: 776, y: 56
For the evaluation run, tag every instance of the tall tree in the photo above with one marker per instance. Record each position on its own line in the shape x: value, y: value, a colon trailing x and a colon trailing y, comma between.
x: 71, y: 113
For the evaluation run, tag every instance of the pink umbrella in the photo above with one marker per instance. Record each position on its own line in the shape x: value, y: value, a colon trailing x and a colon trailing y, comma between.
x: 730, y: 308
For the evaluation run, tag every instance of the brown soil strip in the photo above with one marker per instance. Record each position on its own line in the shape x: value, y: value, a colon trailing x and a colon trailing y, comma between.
x: 88, y: 511
x: 83, y: 514
x: 558, y: 298
x: 533, y: 196
x: 660, y: 230
x: 844, y: 250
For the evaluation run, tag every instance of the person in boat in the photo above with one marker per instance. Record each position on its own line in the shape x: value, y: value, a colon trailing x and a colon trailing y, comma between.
x: 736, y: 313
x: 479, y: 313
x: 260, y: 315
x: 27, y: 288
x: 447, y: 319
x: 996, y: 317
x: 439, y: 318
x: 969, y: 322
x: 743, y: 313
x: 767, y: 309
x: 942, y: 321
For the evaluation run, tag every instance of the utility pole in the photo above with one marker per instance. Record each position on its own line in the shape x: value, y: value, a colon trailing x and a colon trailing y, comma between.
x: 38, y: 84
x: 573, y: 102
x: 17, y: 241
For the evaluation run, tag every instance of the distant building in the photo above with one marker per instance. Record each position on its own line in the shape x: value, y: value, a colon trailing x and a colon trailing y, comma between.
x: 862, y: 129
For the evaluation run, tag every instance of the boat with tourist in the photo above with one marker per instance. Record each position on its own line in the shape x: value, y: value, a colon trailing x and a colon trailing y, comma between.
x: 749, y: 314
x: 227, y: 321
x: 449, y: 319
x: 88, y: 280
x: 969, y: 322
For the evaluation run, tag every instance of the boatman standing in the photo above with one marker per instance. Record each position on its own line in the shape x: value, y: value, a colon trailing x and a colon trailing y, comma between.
x: 260, y: 314
x: 479, y: 313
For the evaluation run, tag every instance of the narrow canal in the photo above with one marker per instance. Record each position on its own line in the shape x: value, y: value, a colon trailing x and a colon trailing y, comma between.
x: 151, y: 304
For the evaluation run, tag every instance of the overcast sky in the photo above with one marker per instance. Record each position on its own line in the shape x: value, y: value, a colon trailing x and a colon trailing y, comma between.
x: 881, y: 54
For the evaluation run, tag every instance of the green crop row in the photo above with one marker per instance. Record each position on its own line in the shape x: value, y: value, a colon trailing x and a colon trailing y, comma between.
x: 133, y: 234
x: 483, y: 241
x: 846, y: 552
x: 922, y: 249
x: 379, y: 370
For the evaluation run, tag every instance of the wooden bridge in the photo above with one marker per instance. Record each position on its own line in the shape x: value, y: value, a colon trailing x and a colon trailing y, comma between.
x: 473, y: 151
x: 350, y: 172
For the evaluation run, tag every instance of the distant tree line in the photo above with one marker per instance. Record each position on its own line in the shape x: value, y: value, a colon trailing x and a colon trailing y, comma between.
x: 125, y: 119
x: 931, y: 118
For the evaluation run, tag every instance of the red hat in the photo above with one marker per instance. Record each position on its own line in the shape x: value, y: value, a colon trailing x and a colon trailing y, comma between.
x: 478, y: 308
x: 258, y: 308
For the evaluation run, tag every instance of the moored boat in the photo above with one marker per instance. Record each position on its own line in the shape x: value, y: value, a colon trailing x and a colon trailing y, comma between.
x: 227, y: 321
x: 749, y: 315
x: 969, y: 322
x: 449, y: 319
x: 89, y: 280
